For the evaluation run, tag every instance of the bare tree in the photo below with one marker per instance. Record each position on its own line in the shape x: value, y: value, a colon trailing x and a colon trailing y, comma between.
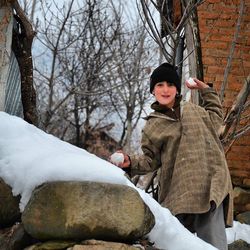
x: 81, y: 41
x: 133, y: 70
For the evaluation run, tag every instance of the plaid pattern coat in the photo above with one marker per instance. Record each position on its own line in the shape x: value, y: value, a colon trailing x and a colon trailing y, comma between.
x: 193, y: 168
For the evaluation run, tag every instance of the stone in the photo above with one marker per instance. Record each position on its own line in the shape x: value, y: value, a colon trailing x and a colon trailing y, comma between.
x: 9, y: 206
x: 239, y: 245
x: 244, y: 217
x: 87, y: 210
x: 52, y: 245
x: 246, y: 182
x: 102, y: 245
x: 14, y: 238
x: 241, y: 200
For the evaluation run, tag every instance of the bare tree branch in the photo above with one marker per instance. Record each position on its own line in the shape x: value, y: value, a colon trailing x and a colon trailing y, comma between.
x: 233, y: 115
x: 230, y: 57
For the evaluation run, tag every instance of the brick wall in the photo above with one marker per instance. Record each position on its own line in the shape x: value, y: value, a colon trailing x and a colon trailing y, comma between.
x: 217, y: 23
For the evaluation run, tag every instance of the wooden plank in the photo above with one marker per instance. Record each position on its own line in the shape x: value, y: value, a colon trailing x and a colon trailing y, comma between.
x: 6, y: 26
x: 194, y: 49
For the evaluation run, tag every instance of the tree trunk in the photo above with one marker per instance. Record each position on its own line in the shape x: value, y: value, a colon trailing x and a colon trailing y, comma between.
x: 22, y: 45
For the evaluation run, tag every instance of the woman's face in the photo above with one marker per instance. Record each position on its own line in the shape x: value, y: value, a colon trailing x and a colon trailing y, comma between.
x: 165, y: 93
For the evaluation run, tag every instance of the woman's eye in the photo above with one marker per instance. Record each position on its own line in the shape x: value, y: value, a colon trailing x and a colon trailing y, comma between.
x: 159, y: 84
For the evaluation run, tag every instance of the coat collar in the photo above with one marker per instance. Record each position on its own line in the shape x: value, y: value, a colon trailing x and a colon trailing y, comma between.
x: 161, y: 112
x: 163, y: 109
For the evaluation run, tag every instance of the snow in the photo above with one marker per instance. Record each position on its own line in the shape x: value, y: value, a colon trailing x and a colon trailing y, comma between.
x: 239, y: 231
x: 30, y: 157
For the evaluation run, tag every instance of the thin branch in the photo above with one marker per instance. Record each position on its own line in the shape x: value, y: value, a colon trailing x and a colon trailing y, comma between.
x: 236, y: 108
x: 154, y: 31
x: 230, y: 57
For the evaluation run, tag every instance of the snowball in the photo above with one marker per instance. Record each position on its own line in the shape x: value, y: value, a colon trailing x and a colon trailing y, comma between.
x: 117, y: 158
x: 191, y: 81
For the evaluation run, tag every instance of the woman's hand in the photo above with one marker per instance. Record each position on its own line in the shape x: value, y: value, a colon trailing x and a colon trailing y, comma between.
x: 125, y: 164
x: 198, y: 84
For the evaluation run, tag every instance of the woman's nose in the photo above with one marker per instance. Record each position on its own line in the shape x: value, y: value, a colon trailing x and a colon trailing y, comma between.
x: 165, y: 87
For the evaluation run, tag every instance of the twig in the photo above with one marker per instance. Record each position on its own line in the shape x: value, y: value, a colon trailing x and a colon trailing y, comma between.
x: 230, y: 57
x: 236, y: 108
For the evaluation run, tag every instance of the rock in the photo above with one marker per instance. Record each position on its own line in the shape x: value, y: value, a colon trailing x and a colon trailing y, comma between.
x: 86, y: 245
x: 246, y: 182
x: 244, y: 217
x: 239, y: 245
x: 52, y: 245
x: 14, y: 238
x: 241, y: 200
x: 102, y: 245
x: 87, y: 210
x: 9, y: 206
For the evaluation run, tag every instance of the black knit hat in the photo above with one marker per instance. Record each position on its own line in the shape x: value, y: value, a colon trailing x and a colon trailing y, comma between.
x: 165, y: 72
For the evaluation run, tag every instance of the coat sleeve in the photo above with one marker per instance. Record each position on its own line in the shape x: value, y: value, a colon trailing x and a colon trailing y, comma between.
x: 149, y: 160
x: 212, y: 105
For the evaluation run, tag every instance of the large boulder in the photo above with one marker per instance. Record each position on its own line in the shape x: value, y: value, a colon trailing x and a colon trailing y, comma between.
x: 244, y: 217
x: 9, y: 206
x: 241, y: 200
x: 239, y: 245
x: 87, y: 210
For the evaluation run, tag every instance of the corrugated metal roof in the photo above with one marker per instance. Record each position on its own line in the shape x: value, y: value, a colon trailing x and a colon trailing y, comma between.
x: 13, y: 103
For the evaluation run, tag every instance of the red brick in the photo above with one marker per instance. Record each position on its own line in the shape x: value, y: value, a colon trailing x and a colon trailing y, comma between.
x: 244, y: 140
x: 221, y: 37
x: 227, y: 16
x: 246, y: 64
x: 210, y: 60
x: 237, y: 71
x: 214, y: 1
x: 228, y: 104
x: 232, y: 79
x: 237, y: 148
x: 208, y: 15
x: 235, y: 86
x: 235, y: 165
x: 215, y: 52
x: 239, y: 173
x: 208, y: 30
x: 237, y: 156
x: 215, y: 45
x: 246, y: 57
x: 215, y: 70
x: 226, y: 31
x: 229, y: 24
